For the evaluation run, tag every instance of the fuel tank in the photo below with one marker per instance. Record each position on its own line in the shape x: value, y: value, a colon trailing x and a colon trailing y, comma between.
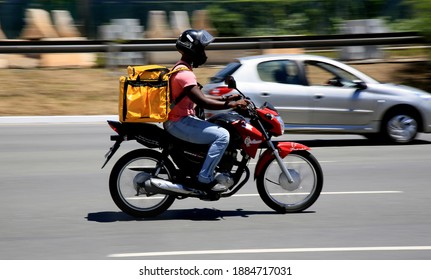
x: 226, y: 121
x: 243, y: 134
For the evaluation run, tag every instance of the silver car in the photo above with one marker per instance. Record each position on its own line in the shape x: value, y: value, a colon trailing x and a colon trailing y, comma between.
x: 315, y: 94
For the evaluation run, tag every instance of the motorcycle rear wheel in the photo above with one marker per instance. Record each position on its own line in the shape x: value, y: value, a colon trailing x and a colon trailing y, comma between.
x: 132, y: 200
x: 283, y: 197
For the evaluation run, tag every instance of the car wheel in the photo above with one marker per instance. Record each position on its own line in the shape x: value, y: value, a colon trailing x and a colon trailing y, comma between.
x: 400, y: 127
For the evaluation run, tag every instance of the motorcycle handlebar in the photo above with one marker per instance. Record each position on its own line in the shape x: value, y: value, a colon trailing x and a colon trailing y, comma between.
x: 231, y: 83
x: 248, y: 110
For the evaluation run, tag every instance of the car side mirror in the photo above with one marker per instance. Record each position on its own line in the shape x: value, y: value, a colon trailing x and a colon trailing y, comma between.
x: 230, y: 82
x: 336, y: 82
x: 360, y: 84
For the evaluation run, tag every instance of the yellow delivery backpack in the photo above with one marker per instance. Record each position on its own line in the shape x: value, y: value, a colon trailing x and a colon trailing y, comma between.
x: 145, y: 94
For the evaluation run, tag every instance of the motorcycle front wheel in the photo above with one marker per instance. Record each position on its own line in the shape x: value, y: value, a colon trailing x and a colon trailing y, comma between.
x: 131, y: 197
x: 285, y: 197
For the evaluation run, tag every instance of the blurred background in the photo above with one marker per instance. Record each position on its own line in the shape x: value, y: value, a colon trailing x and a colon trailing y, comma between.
x: 54, y: 201
x: 229, y: 17
x: 114, y: 22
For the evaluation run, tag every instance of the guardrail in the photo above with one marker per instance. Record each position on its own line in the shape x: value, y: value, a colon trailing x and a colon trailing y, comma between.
x: 221, y: 43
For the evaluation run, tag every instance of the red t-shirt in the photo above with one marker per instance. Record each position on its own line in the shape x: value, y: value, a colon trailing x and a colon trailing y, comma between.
x: 179, y: 81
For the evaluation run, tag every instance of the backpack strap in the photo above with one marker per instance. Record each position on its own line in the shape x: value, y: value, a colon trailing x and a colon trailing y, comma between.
x: 183, y: 93
x: 178, y: 99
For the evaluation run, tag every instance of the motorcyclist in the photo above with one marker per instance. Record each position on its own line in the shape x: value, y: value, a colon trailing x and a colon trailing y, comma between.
x: 182, y: 121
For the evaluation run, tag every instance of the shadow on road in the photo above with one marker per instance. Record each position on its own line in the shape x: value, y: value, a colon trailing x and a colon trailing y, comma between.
x: 203, y: 214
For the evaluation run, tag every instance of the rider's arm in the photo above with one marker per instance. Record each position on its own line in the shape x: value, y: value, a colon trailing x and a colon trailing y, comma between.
x: 211, y: 103
x: 228, y: 97
x: 215, y: 97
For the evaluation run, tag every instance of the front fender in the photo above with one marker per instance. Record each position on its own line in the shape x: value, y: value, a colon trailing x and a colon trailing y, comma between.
x: 284, y: 148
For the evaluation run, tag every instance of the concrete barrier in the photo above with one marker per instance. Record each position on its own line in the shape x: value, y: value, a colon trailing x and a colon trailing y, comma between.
x: 2, y: 36
x: 19, y: 61
x: 3, y: 58
x: 362, y: 27
x: 64, y: 24
x: 67, y: 59
x: 122, y: 29
x: 38, y: 25
x: 66, y: 29
x: 4, y: 63
x: 158, y: 27
x: 200, y: 20
x: 179, y: 22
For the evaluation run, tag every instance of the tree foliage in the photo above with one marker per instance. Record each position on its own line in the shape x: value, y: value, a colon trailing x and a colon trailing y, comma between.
x: 422, y: 18
x: 243, y: 17
x: 293, y: 17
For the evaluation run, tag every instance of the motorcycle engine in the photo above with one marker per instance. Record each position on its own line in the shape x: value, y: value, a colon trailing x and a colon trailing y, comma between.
x: 229, y: 158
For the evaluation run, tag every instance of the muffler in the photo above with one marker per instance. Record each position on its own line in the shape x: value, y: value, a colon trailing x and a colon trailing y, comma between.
x: 166, y: 187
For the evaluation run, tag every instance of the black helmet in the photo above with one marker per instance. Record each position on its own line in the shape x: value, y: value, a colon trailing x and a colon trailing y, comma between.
x: 193, y: 42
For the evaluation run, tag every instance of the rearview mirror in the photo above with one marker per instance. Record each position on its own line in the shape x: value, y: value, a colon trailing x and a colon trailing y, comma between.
x: 230, y: 82
x: 360, y: 84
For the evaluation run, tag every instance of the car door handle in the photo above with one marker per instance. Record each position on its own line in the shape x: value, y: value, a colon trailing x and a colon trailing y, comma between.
x: 319, y: 96
x: 265, y: 94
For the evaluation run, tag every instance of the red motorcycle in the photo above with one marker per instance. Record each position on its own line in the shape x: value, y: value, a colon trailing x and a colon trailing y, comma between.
x: 145, y: 182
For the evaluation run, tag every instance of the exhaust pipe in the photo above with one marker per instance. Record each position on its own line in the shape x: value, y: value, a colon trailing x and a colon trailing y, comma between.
x: 166, y: 187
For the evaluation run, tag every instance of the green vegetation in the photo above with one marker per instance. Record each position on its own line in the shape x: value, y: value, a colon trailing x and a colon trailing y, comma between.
x: 240, y: 17
x: 297, y: 17
x: 422, y: 19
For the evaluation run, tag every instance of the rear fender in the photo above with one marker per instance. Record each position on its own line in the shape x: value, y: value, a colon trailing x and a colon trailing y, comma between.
x: 284, y: 148
x: 147, y: 134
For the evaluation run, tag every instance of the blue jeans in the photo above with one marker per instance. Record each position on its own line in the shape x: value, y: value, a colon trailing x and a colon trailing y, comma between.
x: 194, y: 130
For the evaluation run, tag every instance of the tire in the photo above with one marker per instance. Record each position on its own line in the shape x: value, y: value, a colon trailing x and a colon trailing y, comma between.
x: 400, y: 127
x: 283, y: 197
x: 132, y: 199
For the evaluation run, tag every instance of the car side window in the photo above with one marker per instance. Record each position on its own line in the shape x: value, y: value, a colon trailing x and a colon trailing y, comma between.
x: 279, y: 71
x: 324, y: 74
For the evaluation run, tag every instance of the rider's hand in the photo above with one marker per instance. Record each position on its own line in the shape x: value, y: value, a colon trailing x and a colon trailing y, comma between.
x: 231, y: 97
x: 242, y: 103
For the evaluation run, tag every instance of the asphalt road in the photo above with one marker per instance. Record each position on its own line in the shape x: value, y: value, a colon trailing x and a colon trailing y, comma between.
x: 55, y: 204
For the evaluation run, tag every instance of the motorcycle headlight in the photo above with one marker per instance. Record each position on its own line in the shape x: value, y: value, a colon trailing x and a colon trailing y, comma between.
x: 281, y: 123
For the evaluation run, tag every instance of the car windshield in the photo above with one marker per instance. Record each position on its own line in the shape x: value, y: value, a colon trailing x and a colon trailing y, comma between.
x: 227, y: 71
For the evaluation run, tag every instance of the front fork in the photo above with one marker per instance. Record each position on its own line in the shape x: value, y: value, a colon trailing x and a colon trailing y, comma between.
x: 280, y: 162
x: 278, y: 151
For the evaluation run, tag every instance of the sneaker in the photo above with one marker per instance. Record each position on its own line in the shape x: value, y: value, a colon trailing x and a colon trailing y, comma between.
x: 219, y: 188
x: 213, y: 186
x: 224, y: 179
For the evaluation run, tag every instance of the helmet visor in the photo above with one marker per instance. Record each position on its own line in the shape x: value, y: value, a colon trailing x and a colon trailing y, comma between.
x: 205, y: 38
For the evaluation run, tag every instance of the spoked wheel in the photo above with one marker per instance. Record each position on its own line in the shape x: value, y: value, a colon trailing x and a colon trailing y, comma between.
x: 285, y: 197
x: 126, y: 183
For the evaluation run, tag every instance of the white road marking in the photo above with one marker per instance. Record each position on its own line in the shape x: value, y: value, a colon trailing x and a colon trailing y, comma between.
x: 280, y: 250
x: 364, y: 192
